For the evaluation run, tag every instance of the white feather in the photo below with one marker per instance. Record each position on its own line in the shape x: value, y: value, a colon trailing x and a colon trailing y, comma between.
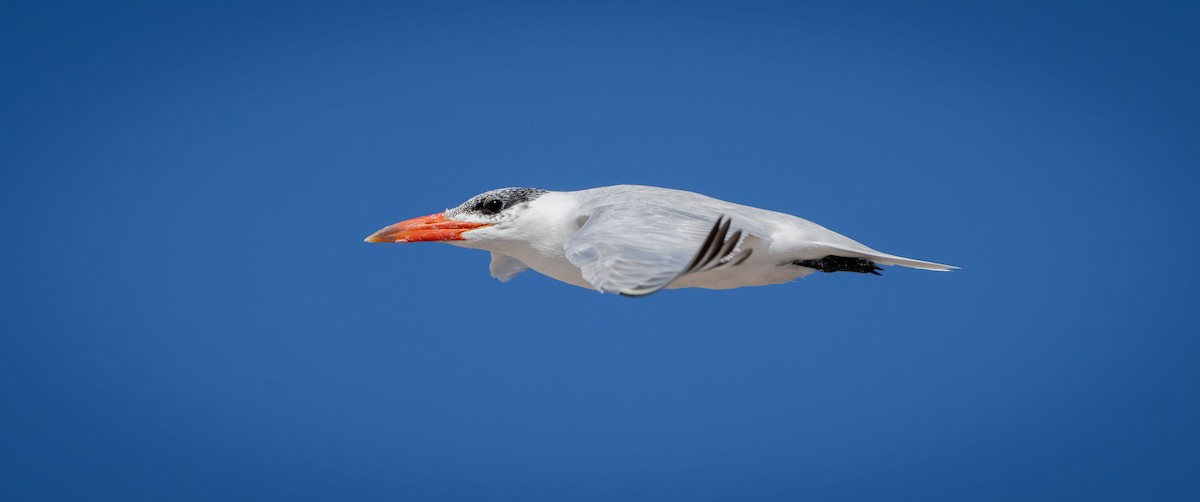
x: 623, y: 237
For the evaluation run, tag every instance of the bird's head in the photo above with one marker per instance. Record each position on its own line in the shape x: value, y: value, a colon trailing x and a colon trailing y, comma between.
x: 484, y: 218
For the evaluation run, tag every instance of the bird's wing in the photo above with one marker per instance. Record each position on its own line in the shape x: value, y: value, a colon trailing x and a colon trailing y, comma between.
x: 637, y: 249
x: 505, y: 267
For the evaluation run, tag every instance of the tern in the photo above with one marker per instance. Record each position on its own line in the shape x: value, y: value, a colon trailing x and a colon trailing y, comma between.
x: 635, y: 240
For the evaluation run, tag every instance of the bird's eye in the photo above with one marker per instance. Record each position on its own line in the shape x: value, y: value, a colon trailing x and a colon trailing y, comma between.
x: 493, y: 206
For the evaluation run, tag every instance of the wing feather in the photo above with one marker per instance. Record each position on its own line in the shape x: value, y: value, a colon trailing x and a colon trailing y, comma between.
x: 505, y: 267
x: 636, y: 250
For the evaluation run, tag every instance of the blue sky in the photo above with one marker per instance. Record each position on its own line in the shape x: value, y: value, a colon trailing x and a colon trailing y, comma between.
x: 191, y: 314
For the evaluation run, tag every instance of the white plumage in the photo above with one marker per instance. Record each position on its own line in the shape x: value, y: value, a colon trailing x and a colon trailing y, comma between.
x: 635, y: 240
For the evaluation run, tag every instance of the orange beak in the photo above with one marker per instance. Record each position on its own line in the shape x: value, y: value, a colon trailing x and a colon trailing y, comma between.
x: 434, y: 227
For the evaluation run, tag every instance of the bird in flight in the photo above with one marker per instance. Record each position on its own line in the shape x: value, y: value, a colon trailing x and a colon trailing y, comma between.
x: 636, y: 240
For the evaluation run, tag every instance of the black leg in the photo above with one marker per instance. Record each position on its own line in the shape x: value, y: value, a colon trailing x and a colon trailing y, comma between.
x: 841, y: 264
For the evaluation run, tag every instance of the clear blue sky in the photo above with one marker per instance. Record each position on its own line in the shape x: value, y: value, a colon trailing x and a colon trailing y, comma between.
x: 190, y: 312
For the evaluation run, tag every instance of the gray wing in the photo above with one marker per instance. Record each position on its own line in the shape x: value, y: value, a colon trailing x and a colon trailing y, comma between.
x: 505, y: 267
x: 636, y: 252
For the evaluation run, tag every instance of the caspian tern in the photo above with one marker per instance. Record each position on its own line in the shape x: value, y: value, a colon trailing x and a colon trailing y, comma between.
x: 635, y: 240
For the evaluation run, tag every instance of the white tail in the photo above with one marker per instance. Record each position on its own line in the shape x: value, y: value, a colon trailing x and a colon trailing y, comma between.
x: 890, y: 259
